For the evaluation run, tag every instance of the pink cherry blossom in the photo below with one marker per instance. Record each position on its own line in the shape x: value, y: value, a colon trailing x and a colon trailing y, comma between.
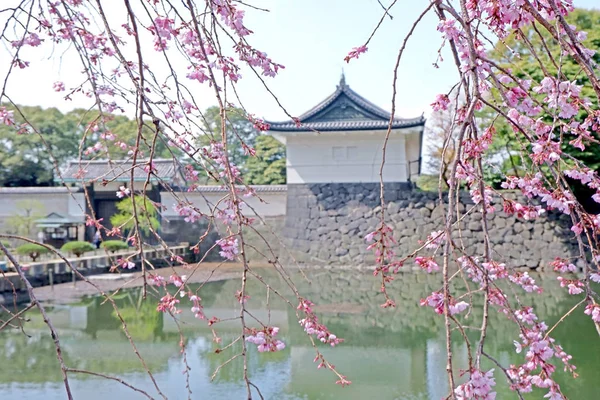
x: 59, y: 87
x: 355, y: 53
x: 441, y: 103
x: 6, y: 116
x: 427, y: 264
x: 123, y: 192
x: 479, y: 387
x: 229, y: 248
x: 265, y: 339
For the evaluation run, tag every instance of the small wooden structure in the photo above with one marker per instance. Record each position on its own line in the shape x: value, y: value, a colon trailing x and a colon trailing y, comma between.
x: 59, y: 229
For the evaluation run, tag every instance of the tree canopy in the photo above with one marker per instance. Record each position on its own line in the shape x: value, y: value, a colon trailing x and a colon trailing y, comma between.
x: 29, y: 158
x: 266, y: 167
x: 529, y: 66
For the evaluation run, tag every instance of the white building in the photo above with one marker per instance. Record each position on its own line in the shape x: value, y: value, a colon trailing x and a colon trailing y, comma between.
x: 341, y: 140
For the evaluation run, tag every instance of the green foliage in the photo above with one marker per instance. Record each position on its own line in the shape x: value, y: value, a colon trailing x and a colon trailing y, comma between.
x: 27, y: 160
x: 22, y: 222
x: 267, y: 167
x: 114, y: 245
x: 77, y: 247
x: 32, y: 250
x: 237, y: 127
x: 145, y: 210
x: 430, y: 183
x: 527, y: 67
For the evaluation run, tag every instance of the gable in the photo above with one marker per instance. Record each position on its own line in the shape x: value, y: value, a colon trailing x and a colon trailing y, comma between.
x: 343, y: 108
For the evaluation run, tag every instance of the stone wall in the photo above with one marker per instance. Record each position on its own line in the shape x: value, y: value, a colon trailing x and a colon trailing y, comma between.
x: 326, y: 224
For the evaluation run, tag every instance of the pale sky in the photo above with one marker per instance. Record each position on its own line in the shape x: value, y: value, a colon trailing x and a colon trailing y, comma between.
x: 311, y: 38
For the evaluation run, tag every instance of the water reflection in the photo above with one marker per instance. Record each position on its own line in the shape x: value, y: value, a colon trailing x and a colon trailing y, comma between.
x: 397, y: 354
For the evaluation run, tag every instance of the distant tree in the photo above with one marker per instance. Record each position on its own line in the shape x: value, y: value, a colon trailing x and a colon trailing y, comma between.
x: 146, y: 214
x: 22, y: 222
x: 441, y: 135
x: 267, y: 167
x: 239, y: 132
x: 28, y: 159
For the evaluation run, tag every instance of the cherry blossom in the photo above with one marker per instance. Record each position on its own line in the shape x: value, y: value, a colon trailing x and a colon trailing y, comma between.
x: 265, y: 339
x: 229, y: 248
x: 355, y: 52
x: 427, y: 264
x: 123, y: 192
x: 6, y: 116
x: 479, y: 386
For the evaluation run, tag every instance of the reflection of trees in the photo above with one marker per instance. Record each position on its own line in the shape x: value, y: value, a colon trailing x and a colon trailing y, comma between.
x: 33, y: 359
x: 234, y: 370
x: 349, y: 306
x: 140, y: 315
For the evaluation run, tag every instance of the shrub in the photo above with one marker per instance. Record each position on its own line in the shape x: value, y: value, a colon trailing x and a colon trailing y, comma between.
x: 32, y: 250
x: 78, y: 248
x: 146, y: 214
x: 114, y: 245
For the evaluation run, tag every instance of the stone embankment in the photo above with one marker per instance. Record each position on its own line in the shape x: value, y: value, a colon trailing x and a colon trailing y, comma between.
x: 327, y: 223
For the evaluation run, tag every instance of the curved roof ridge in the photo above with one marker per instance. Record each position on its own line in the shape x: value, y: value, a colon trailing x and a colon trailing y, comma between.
x: 358, y: 123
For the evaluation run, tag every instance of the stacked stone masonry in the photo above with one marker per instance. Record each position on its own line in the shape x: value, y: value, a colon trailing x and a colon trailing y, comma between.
x: 327, y: 223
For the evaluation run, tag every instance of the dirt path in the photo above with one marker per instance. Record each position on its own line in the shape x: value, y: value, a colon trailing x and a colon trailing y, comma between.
x: 67, y: 293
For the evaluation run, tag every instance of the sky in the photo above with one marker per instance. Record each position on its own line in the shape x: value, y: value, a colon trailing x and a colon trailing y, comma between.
x: 310, y: 38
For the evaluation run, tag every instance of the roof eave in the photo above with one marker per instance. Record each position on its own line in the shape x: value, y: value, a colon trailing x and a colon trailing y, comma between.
x: 403, y: 125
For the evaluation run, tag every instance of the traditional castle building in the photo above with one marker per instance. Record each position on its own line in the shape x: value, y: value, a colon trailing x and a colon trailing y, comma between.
x: 341, y: 139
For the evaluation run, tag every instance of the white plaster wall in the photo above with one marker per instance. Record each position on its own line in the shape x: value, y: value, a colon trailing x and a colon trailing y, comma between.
x: 273, y: 204
x: 353, y: 156
x: 56, y: 200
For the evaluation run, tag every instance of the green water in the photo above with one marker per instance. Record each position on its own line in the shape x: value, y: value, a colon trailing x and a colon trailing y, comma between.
x: 388, y: 354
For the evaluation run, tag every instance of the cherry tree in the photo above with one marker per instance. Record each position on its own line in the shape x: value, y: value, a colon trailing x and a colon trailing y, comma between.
x: 119, y: 47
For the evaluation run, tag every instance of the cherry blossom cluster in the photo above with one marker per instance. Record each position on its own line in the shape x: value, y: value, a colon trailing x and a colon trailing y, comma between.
x: 188, y: 211
x: 6, y: 116
x: 218, y: 154
x: 355, y: 53
x: 125, y: 263
x: 538, y: 369
x: 229, y: 247
x: 478, y: 272
x: 436, y: 301
x: 427, y: 264
x: 574, y: 286
x: 265, y: 339
x: 525, y: 281
x: 197, y: 309
x: 312, y: 327
x: 382, y: 243
x: 478, y: 387
x: 168, y: 303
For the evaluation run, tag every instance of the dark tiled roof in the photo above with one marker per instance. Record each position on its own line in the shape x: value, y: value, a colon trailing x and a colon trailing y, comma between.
x: 57, y: 219
x: 36, y: 189
x: 345, y: 110
x: 120, y: 171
